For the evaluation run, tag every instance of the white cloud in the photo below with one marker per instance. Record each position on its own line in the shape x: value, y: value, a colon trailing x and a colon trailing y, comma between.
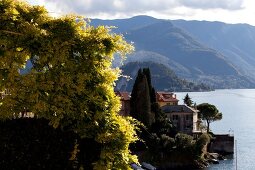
x: 114, y: 6
x: 230, y: 11
x: 213, y: 4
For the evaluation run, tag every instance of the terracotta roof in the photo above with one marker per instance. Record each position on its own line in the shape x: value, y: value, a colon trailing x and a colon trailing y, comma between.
x: 166, y: 97
x: 178, y: 108
x: 123, y: 95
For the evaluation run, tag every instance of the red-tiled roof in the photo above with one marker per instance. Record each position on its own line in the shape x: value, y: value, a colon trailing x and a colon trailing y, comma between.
x: 166, y: 97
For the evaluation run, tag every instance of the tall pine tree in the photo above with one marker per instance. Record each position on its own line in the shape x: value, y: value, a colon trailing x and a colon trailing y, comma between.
x: 134, y: 94
x: 146, y: 115
x: 154, y: 104
x: 144, y: 106
x: 141, y: 99
x: 147, y: 73
x: 187, y: 100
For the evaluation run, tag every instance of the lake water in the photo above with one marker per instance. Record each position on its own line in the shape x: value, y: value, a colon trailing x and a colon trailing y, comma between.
x: 238, y: 109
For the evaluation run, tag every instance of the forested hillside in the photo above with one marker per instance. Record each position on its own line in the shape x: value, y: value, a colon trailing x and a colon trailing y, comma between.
x: 162, y: 78
x: 186, y: 52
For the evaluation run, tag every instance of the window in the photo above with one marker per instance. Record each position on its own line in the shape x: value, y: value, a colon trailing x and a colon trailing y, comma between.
x: 188, y: 117
x: 188, y: 127
x: 175, y: 117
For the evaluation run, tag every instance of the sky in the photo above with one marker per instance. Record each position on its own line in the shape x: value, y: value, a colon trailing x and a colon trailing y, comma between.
x: 228, y: 11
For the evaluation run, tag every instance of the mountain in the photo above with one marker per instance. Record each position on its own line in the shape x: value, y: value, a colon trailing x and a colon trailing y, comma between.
x: 125, y: 25
x: 172, y: 42
x: 162, y: 78
x: 235, y: 41
x: 163, y: 42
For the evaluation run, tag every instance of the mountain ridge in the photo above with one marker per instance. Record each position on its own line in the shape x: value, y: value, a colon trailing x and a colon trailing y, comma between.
x: 193, y: 59
x: 235, y: 41
x: 163, y: 78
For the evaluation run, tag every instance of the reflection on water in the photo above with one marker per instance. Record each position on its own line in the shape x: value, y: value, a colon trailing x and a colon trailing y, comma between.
x: 238, y: 109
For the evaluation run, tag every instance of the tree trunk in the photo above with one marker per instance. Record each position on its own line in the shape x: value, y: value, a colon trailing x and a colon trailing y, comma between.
x: 208, y: 126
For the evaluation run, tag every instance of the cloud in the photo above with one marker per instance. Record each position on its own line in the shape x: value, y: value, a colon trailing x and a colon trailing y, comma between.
x: 214, y: 10
x: 113, y: 7
x: 213, y: 4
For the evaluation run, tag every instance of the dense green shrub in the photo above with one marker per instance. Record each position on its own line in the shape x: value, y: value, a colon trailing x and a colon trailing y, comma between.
x: 183, y: 141
x: 33, y: 144
x: 201, y: 142
x: 71, y: 79
x: 167, y: 143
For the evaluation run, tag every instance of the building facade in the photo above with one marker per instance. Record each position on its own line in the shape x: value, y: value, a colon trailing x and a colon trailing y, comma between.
x: 125, y: 102
x: 183, y: 117
x: 166, y: 98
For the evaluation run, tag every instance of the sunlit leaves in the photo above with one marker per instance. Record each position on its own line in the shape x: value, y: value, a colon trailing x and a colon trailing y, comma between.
x: 71, y: 82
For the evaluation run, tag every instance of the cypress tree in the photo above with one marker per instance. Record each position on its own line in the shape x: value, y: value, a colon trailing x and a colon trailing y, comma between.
x: 134, y: 94
x: 144, y: 106
x: 140, y: 101
x: 146, y: 116
x: 147, y: 73
x: 153, y: 95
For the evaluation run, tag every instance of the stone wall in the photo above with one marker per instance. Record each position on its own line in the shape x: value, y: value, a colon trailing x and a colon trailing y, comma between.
x: 222, y: 144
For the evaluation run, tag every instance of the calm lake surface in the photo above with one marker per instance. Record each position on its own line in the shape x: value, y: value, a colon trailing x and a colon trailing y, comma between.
x: 238, y: 109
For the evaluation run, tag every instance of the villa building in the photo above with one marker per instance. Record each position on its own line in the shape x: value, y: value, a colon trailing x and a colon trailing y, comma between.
x: 125, y: 102
x: 166, y: 98
x: 183, y: 117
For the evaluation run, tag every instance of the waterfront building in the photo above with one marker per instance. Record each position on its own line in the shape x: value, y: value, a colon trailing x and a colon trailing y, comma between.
x: 183, y: 117
x: 125, y: 102
x: 166, y: 98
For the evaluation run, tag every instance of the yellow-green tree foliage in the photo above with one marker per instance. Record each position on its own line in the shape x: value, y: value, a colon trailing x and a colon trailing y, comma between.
x: 71, y: 82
